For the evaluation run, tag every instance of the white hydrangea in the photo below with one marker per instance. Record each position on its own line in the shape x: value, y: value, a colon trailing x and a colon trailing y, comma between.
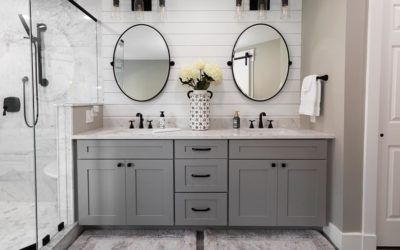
x: 214, y: 71
x: 188, y: 73
x: 199, y: 64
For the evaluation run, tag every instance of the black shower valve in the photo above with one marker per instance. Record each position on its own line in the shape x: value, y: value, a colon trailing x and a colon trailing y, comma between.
x: 11, y: 104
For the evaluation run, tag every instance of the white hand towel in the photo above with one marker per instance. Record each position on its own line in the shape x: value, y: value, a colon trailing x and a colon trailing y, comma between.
x: 310, y: 97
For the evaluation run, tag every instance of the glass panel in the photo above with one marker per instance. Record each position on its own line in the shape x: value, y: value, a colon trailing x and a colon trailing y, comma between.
x: 68, y: 41
x: 17, y: 183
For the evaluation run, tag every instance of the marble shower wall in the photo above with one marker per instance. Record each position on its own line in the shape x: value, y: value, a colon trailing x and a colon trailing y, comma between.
x: 70, y: 65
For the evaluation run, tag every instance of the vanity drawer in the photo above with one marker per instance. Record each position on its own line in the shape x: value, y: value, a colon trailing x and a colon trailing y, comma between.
x: 201, y: 175
x: 125, y: 149
x: 195, y: 149
x: 278, y: 149
x: 201, y: 209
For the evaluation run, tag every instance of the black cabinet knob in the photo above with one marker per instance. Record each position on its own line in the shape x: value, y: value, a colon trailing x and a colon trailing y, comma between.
x: 120, y: 165
x: 129, y: 165
x: 284, y: 165
x: 273, y: 165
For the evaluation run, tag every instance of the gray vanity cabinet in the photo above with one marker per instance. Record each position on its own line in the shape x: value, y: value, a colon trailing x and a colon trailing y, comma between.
x: 301, y: 193
x: 286, y: 188
x: 252, y: 193
x: 135, y: 188
x: 150, y: 192
x: 101, y: 192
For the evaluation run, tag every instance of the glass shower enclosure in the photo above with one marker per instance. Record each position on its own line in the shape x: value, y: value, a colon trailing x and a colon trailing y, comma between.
x: 48, y: 58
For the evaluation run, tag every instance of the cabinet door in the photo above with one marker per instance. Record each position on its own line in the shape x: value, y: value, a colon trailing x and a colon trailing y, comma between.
x: 252, y: 193
x: 302, y: 193
x: 150, y: 192
x: 101, y: 192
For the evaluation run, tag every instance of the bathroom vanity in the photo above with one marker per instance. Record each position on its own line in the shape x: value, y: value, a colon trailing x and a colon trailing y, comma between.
x: 269, y: 177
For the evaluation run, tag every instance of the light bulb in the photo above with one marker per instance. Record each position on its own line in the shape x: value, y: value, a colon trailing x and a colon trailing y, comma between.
x: 162, y: 9
x: 239, y: 9
x: 115, y: 10
x: 262, y: 9
x: 139, y: 9
x: 285, y: 11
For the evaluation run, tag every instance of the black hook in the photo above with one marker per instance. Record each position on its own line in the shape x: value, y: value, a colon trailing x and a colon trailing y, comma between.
x: 323, y: 78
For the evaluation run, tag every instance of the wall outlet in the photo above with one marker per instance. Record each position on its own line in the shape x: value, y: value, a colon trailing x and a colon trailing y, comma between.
x: 89, y: 116
x: 96, y: 109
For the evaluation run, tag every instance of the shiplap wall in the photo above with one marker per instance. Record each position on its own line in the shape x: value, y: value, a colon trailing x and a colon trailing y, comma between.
x: 204, y: 29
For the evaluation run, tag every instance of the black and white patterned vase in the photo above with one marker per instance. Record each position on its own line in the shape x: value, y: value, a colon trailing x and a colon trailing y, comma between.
x: 200, y: 104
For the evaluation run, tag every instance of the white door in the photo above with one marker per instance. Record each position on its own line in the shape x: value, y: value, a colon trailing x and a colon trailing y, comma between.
x: 242, y: 69
x: 388, y: 220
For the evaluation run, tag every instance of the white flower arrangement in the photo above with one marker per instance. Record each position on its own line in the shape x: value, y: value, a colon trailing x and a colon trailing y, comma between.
x: 200, y: 75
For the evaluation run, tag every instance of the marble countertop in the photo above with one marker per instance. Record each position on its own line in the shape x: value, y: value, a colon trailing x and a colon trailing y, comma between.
x: 186, y: 134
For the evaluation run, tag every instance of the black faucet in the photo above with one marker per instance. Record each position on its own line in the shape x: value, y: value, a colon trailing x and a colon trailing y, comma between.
x: 141, y: 120
x: 260, y: 123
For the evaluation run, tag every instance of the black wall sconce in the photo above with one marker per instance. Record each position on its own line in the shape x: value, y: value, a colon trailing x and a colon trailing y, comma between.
x: 141, y: 5
x: 262, y: 6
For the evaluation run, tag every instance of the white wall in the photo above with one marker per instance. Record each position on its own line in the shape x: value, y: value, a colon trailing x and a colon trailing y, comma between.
x: 200, y: 29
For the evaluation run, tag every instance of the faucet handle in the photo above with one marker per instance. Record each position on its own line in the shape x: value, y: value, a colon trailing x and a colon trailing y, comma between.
x: 251, y: 123
x: 131, y: 126
x: 270, y: 123
x: 150, y: 125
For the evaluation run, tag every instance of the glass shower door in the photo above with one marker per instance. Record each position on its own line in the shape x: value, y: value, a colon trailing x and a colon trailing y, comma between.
x: 17, y: 172
x: 66, y: 63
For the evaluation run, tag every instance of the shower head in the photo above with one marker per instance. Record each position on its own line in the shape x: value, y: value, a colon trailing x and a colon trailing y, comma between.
x: 26, y: 27
x: 41, y: 27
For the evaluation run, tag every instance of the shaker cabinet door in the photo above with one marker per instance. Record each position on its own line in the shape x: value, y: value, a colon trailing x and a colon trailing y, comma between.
x: 302, y: 193
x: 252, y: 192
x: 101, y: 192
x: 150, y: 192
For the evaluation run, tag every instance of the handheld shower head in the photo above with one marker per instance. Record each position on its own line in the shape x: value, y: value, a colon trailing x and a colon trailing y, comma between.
x: 24, y: 23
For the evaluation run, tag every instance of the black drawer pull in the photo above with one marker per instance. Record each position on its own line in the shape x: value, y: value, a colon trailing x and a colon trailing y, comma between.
x: 201, y: 175
x: 130, y: 165
x: 273, y: 165
x: 120, y: 165
x: 201, y: 209
x: 201, y: 149
x: 284, y: 165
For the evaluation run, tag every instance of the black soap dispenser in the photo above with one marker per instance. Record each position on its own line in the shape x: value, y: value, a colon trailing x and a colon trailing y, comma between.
x: 236, y: 120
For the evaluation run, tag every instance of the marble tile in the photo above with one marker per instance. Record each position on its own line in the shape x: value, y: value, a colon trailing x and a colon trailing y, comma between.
x: 17, y: 220
x: 136, y: 240
x: 265, y: 240
x: 70, y: 65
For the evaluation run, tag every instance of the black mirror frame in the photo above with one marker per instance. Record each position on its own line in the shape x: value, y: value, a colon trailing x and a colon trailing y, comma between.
x: 171, y: 63
x: 230, y: 63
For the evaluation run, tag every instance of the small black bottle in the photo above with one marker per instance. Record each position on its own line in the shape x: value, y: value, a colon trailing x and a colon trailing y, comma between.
x: 236, y: 120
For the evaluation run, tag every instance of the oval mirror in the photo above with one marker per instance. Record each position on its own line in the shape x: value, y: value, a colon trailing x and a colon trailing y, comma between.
x: 141, y: 62
x: 260, y: 62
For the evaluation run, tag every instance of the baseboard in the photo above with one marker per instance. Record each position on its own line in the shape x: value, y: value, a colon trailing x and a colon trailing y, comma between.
x: 334, y: 234
x: 65, y: 238
x: 350, y: 241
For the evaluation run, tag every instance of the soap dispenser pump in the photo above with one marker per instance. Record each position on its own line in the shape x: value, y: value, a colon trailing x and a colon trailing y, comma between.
x: 162, y: 120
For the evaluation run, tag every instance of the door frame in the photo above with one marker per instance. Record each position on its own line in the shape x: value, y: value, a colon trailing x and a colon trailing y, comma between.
x: 371, y: 131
